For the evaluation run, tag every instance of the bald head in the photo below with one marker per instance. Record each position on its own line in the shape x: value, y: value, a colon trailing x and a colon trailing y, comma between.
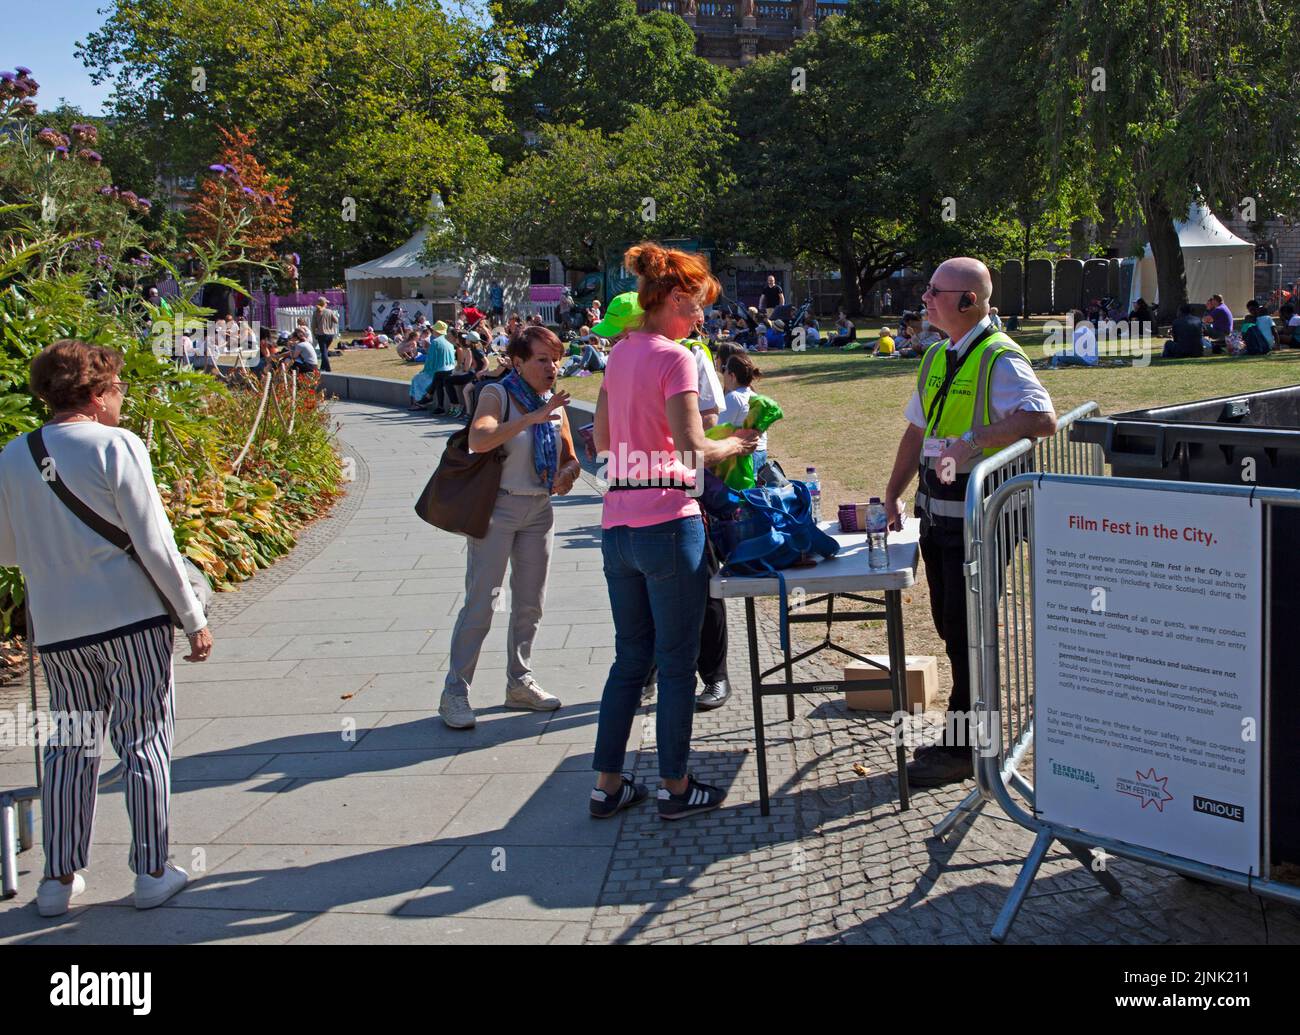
x: 966, y: 274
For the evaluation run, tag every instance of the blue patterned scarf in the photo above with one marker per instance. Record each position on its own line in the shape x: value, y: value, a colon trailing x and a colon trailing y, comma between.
x: 546, y: 459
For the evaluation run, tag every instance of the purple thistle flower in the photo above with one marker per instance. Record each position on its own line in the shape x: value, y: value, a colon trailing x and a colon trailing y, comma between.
x: 97, y: 244
x: 93, y: 157
x: 248, y: 191
x: 61, y: 151
x: 128, y: 197
x: 28, y: 107
x: 216, y: 168
x: 8, y: 77
x: 107, y: 192
x: 23, y: 72
x: 144, y: 203
x: 48, y: 137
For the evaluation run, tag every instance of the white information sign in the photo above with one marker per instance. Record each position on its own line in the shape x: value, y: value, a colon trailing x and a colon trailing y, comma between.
x: 1147, y: 668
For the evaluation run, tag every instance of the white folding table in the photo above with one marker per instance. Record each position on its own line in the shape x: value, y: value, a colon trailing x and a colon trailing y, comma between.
x: 847, y: 576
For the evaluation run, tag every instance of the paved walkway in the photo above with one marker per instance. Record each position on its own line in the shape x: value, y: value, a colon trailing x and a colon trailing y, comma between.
x: 317, y: 798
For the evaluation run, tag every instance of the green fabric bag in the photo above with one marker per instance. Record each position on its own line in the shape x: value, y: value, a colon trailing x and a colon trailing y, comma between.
x: 738, y: 471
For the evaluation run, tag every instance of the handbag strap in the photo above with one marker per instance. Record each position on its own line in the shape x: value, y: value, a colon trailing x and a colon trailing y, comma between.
x: 50, y: 475
x: 115, y: 535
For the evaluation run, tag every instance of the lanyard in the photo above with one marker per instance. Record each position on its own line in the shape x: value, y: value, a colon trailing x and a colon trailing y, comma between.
x: 950, y: 375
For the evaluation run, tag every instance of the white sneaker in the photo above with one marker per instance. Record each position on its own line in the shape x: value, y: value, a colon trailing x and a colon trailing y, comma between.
x: 531, y: 697
x: 154, y: 891
x: 53, y: 896
x: 456, y: 712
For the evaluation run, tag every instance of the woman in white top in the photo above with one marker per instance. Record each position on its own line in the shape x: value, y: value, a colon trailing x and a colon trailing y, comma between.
x: 101, y: 628
x: 738, y: 376
x: 524, y: 414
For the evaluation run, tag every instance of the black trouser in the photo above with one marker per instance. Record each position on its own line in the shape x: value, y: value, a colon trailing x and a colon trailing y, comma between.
x: 323, y: 343
x: 437, y: 390
x: 943, y: 551
x: 711, y: 662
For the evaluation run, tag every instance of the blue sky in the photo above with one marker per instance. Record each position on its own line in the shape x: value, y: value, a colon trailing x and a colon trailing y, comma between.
x: 42, y: 34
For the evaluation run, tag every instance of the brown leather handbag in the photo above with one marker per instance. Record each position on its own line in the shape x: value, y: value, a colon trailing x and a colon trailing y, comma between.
x: 462, y: 493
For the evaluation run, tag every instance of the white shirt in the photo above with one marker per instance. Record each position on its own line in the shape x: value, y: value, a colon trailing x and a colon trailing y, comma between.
x: 737, y: 409
x: 304, y: 352
x: 710, y: 386
x: 81, y: 584
x: 1013, y: 384
x: 1085, y: 342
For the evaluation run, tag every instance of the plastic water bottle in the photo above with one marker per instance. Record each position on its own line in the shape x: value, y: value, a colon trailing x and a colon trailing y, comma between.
x: 877, y: 534
x: 815, y: 490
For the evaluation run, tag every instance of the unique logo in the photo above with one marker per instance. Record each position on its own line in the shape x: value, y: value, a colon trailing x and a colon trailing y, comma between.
x: 1070, y: 772
x: 1222, y: 809
x: 1147, y: 788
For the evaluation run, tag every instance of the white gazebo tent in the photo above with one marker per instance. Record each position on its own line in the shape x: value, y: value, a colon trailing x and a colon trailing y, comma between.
x: 1218, y: 262
x: 401, y: 274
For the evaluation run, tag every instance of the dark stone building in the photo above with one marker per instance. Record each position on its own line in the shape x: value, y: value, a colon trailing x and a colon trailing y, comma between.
x: 735, y: 32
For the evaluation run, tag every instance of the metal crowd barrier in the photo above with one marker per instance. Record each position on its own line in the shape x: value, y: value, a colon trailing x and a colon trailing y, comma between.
x: 999, y: 600
x: 1055, y: 454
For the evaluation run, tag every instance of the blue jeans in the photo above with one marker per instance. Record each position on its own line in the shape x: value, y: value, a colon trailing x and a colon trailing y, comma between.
x: 658, y: 580
x: 760, y: 458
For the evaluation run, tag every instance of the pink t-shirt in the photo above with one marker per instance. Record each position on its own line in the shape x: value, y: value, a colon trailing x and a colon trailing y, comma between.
x: 644, y: 371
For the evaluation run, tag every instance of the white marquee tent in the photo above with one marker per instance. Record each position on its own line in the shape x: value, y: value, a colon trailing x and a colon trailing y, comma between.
x: 1218, y: 262
x: 402, y: 274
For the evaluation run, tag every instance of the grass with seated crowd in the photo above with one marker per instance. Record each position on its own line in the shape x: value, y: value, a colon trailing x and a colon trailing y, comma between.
x: 844, y: 410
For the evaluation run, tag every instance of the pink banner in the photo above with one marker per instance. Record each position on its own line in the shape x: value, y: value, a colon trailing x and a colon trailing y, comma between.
x: 545, y: 292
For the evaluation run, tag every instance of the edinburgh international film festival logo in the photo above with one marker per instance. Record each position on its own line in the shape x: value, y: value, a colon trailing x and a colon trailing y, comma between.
x: 1147, y: 788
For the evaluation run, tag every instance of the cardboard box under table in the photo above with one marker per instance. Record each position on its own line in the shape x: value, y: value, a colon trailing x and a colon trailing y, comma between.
x: 843, y: 579
x: 873, y: 692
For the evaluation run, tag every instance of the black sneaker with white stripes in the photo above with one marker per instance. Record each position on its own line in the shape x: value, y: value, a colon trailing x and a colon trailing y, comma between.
x: 604, y: 804
x: 698, y: 797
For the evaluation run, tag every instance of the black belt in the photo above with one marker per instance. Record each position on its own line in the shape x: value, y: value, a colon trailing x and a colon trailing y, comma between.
x: 616, y: 486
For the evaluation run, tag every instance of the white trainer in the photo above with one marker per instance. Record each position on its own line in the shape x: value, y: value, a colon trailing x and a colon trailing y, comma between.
x: 456, y: 712
x: 530, y: 697
x: 53, y: 896
x: 154, y: 891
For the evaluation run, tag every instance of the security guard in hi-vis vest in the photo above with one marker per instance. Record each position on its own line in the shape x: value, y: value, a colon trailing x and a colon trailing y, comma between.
x: 975, y: 394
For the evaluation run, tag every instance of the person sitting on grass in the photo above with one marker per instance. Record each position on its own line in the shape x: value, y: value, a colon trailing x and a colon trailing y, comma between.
x: 1082, y: 350
x: 1188, y: 339
x: 812, y: 333
x: 845, y: 332
x: 1288, y: 330
x: 776, y: 334
x: 303, y: 353
x: 910, y: 346
x: 591, y: 358
x: 369, y: 340
x: 409, y: 347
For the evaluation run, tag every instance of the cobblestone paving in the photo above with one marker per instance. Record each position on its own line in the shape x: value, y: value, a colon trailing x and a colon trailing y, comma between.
x: 836, y: 862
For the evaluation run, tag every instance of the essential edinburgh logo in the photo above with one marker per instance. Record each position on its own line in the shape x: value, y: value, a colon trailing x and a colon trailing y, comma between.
x: 1070, y: 772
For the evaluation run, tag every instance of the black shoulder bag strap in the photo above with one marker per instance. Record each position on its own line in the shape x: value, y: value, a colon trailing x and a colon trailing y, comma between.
x: 117, y: 536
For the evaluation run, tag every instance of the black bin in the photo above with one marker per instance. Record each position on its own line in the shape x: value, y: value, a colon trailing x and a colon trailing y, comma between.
x: 1220, y: 441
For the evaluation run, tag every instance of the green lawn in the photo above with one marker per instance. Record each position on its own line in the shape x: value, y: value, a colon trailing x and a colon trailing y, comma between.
x: 844, y: 411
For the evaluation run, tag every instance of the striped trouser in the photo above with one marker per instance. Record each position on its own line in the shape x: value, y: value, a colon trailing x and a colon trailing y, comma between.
x: 127, y: 680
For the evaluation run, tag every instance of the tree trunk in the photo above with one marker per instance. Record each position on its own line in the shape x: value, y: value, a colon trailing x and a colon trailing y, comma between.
x: 1171, y: 271
x: 850, y: 296
x: 1024, y: 272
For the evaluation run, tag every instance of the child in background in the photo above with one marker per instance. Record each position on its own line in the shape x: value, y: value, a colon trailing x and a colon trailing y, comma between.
x: 738, y: 376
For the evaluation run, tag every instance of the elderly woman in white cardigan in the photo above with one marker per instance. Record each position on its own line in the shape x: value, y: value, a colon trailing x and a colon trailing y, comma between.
x: 103, y: 631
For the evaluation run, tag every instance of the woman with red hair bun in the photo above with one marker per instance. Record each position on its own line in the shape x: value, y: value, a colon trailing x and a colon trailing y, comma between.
x: 651, y: 440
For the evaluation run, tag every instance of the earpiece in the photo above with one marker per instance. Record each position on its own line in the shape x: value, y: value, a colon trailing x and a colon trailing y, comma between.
x: 967, y: 300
